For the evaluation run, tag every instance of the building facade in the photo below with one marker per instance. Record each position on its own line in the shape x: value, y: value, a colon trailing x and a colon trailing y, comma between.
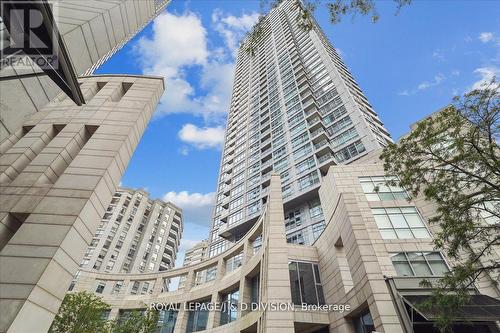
x: 362, y: 274
x: 136, y: 235
x: 296, y: 110
x: 91, y: 32
x: 58, y: 174
x: 196, y: 254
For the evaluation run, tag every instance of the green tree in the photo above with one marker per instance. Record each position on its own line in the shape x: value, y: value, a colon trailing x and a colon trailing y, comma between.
x: 81, y: 312
x: 337, y: 9
x: 452, y: 158
x: 137, y: 322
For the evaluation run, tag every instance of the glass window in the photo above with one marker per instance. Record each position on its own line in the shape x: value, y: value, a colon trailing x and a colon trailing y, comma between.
x: 135, y: 287
x: 305, y: 283
x: 234, y: 262
x: 315, y: 209
x: 166, y: 320
x: 197, y: 319
x: 419, y: 264
x: 305, y: 165
x: 308, y: 181
x: 350, y: 151
x: 364, y: 323
x: 235, y: 218
x: 229, y: 307
x: 377, y: 189
x: 236, y: 203
x: 292, y: 219
x: 296, y: 238
x: 255, y: 282
x: 117, y: 287
x: 317, y: 229
x: 344, y: 137
x: 100, y: 287
x: 400, y: 222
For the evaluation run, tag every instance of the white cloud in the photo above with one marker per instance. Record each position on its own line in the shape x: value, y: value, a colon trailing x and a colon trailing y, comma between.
x: 187, y: 244
x: 168, y: 49
x: 233, y: 28
x: 197, y: 207
x: 438, y: 54
x: 437, y: 80
x: 202, y: 138
x: 184, y: 151
x: 486, y: 37
x: 486, y: 74
x: 171, y: 54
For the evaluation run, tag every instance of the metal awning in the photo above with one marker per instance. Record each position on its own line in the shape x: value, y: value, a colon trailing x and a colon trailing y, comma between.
x: 24, y: 39
x: 478, y: 308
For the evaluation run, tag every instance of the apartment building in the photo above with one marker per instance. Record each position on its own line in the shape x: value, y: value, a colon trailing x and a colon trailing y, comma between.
x: 296, y: 110
x: 136, y: 235
x: 196, y: 254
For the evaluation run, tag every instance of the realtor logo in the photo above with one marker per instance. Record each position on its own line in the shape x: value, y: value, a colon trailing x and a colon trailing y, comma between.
x: 28, y: 34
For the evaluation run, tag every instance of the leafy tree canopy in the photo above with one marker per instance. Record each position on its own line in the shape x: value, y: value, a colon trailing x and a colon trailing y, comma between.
x: 337, y: 9
x: 82, y: 312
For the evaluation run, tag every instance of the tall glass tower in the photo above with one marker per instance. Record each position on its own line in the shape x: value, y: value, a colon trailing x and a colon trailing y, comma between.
x: 296, y: 110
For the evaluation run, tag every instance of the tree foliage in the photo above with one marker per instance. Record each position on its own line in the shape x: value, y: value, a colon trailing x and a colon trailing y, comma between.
x: 337, y: 9
x: 452, y: 159
x: 82, y: 312
x: 137, y: 322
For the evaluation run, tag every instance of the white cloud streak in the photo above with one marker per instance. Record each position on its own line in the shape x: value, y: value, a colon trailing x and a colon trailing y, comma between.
x: 486, y: 74
x: 202, y: 138
x: 437, y: 80
x: 196, y: 207
x: 233, y: 28
x: 486, y: 37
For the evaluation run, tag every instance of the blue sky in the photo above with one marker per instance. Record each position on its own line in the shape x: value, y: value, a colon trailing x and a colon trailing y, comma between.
x: 408, y: 66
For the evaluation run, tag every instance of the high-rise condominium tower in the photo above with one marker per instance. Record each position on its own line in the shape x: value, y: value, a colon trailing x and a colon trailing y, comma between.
x: 136, y: 235
x: 295, y: 109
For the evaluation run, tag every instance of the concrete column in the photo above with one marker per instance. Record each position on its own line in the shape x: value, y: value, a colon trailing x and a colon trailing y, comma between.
x: 190, y: 280
x: 245, y: 296
x: 214, y: 316
x: 247, y: 252
x: 276, y: 281
x: 158, y: 286
x: 114, y: 314
x: 221, y: 269
x: 182, y: 320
